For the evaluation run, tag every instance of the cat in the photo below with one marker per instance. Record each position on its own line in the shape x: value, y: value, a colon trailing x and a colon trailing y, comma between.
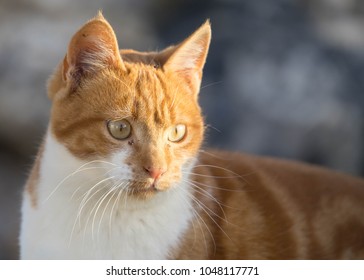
x: 122, y: 174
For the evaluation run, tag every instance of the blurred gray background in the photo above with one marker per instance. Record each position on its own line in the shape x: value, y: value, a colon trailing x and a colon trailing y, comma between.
x: 283, y: 77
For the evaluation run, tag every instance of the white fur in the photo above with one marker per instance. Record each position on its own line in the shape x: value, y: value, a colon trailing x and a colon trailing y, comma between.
x: 121, y: 228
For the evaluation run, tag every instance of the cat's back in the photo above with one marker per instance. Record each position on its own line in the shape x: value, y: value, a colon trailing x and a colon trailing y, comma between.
x: 298, y: 174
x: 260, y: 207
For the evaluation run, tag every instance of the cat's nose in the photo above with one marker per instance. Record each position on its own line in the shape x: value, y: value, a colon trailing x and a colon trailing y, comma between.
x: 155, y: 173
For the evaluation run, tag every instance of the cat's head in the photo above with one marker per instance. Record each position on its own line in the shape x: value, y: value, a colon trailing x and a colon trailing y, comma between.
x: 138, y: 111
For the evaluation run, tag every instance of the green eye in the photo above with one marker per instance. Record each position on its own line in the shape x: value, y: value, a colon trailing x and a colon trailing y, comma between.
x: 177, y: 133
x: 119, y: 129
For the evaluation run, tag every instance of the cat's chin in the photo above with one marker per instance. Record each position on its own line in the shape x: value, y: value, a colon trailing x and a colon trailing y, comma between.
x: 143, y: 193
x: 147, y: 190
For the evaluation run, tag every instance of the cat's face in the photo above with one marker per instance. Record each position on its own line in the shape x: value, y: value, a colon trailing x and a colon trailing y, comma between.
x: 136, y: 111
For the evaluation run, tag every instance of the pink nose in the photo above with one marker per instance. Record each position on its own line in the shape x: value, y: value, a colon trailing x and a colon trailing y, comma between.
x: 155, y: 173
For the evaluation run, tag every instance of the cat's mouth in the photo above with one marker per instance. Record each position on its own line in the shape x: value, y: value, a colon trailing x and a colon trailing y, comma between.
x: 137, y: 191
x: 147, y: 188
x: 143, y: 193
x: 144, y: 189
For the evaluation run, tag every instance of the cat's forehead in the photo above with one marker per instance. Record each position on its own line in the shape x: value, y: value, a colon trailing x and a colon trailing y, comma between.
x: 147, y: 94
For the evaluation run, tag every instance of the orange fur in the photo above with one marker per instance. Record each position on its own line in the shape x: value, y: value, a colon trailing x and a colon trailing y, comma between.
x: 262, y: 208
x: 34, y: 178
x: 244, y: 206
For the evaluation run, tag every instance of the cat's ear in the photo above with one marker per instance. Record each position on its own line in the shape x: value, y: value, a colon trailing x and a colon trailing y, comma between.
x: 188, y: 58
x: 93, y: 48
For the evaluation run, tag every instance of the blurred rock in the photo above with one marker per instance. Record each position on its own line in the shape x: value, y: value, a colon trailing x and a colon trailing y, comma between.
x: 339, y: 22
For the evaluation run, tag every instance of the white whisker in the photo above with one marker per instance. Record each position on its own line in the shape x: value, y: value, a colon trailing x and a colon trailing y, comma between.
x: 78, y: 170
x: 211, y: 84
x: 209, y: 196
x: 113, y: 193
x: 204, y: 208
x: 86, y: 198
x: 121, y: 189
x: 200, y: 219
x: 215, y: 187
x: 96, y: 207
x: 236, y: 175
x: 212, y: 176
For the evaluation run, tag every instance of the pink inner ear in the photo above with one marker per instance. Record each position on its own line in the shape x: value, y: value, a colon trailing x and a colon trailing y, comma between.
x: 188, y: 58
x: 94, y: 55
x: 93, y: 48
x: 65, y: 69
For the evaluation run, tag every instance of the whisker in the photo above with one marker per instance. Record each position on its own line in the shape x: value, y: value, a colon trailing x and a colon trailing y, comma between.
x: 113, y: 193
x: 236, y: 175
x: 121, y: 190
x: 207, y: 126
x: 86, y: 198
x: 213, y: 176
x: 86, y: 184
x: 220, y: 168
x: 95, y: 209
x: 199, y: 219
x: 126, y: 195
x: 204, y: 208
x: 208, y: 195
x: 211, y: 84
x: 78, y: 170
x: 214, y: 187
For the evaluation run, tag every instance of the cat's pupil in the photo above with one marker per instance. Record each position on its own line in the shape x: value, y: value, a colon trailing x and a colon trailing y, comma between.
x: 177, y: 133
x: 122, y: 126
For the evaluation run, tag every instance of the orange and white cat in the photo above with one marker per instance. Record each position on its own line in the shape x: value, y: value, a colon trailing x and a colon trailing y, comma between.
x: 121, y: 173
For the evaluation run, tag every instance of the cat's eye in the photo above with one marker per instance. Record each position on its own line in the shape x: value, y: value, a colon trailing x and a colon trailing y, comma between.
x: 177, y: 133
x: 119, y: 129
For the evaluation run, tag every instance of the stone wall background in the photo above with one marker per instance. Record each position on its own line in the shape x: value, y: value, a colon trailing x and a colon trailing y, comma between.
x: 283, y: 78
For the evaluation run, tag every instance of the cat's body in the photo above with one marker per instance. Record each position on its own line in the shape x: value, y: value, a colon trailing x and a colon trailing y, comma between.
x: 120, y: 174
x: 276, y: 209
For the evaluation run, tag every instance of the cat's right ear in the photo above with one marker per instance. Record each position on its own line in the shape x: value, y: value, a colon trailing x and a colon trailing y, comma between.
x: 189, y: 57
x: 93, y: 48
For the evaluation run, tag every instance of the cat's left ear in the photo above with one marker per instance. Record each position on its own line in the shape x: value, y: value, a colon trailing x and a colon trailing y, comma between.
x: 189, y: 57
